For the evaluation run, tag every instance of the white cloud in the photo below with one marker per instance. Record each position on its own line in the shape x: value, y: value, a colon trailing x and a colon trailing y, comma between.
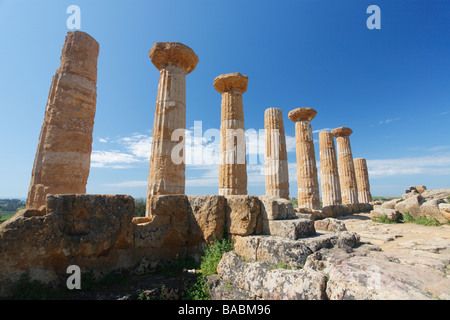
x: 132, y: 184
x: 324, y: 129
x: 111, y: 159
x: 388, y: 120
x: 438, y: 164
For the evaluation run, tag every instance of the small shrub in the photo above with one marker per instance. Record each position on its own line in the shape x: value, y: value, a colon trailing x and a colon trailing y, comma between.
x: 25, y: 289
x: 384, y: 219
x: 199, y: 290
x: 139, y: 207
x: 213, y: 254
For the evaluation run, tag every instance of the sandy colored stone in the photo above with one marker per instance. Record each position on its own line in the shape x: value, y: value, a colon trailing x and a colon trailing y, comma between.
x: 329, y: 174
x: 243, y: 213
x: 307, y: 180
x: 63, y: 156
x: 167, y: 161
x: 362, y: 180
x: 276, y: 165
x: 209, y: 213
x: 347, y: 176
x: 232, y: 166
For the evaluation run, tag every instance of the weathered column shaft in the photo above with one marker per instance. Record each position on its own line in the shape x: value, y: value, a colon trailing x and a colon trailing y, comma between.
x: 362, y: 180
x: 167, y: 176
x: 276, y: 165
x: 233, y: 164
x: 347, y: 178
x: 308, y: 185
x: 167, y: 161
x: 329, y: 174
x: 63, y: 156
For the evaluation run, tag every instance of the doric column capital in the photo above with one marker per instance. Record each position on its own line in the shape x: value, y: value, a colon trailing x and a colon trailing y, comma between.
x: 164, y: 54
x: 231, y: 82
x: 302, y: 114
x: 342, y: 132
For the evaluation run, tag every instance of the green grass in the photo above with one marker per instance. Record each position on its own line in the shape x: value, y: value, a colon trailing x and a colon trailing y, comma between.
x: 424, y: 221
x: 208, y: 266
x: 383, y: 198
x: 384, y: 219
x: 407, y: 218
x: 213, y: 254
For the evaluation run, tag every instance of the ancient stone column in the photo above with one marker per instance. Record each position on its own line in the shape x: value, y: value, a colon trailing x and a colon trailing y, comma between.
x: 347, y: 178
x: 308, y: 185
x: 362, y: 180
x: 233, y: 164
x: 329, y: 175
x: 276, y: 165
x: 63, y: 156
x: 167, y: 166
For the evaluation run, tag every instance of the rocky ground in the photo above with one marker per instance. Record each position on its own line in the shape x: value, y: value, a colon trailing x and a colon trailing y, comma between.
x: 390, y: 261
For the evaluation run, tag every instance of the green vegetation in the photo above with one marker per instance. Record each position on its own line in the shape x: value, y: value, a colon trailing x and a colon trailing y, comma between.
x: 407, y: 218
x: 25, y: 289
x: 421, y: 220
x: 209, y: 262
x: 385, y: 219
x: 8, y: 207
x: 213, y: 254
x: 139, y: 207
x: 384, y: 198
x: 281, y: 265
x: 294, y: 202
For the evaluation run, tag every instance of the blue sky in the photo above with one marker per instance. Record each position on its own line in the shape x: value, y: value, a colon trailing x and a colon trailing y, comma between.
x: 391, y: 86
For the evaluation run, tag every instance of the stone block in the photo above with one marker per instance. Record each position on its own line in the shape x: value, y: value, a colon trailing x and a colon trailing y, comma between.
x: 276, y: 208
x: 242, y: 214
x: 290, y: 229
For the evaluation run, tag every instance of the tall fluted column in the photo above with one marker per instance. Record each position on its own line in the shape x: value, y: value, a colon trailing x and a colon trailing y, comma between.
x: 308, y: 185
x: 276, y: 165
x: 347, y: 178
x: 329, y: 175
x: 362, y: 180
x: 167, y: 166
x: 233, y: 164
x: 63, y: 156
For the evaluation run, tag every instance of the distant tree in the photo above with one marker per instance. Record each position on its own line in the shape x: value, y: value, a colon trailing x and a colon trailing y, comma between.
x: 139, y: 207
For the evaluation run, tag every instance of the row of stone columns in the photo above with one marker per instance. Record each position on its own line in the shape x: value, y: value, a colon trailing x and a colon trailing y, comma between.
x: 63, y: 158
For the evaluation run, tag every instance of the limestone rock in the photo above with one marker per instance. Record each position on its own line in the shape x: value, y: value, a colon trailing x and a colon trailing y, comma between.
x: 291, y: 229
x: 293, y: 253
x: 436, y: 194
x: 390, y: 204
x: 242, y: 214
x: 444, y: 208
x: 86, y: 230
x: 391, y: 214
x: 419, y: 189
x: 330, y: 224
x: 276, y: 208
x: 430, y: 209
x: 209, y: 213
x: 410, y: 205
x: 277, y: 284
